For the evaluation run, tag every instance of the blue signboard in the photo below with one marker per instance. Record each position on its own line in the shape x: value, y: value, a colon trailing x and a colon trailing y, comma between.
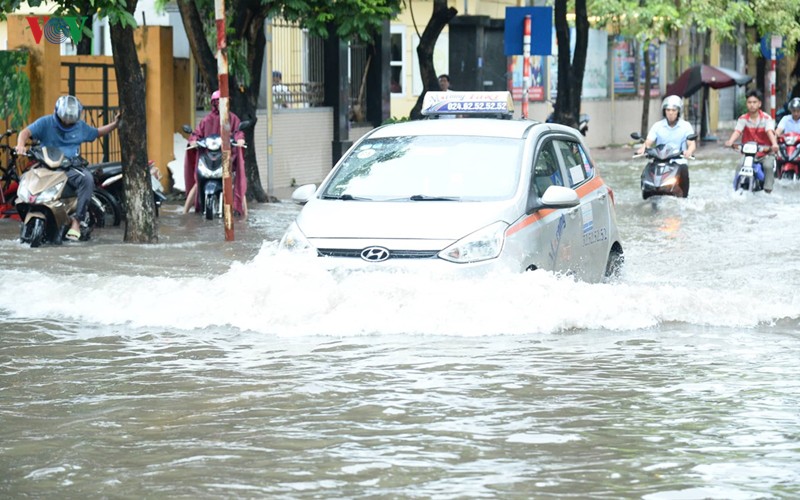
x: 541, y: 29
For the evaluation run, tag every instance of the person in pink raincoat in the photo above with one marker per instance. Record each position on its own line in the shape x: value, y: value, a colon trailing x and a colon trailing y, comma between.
x: 210, y: 126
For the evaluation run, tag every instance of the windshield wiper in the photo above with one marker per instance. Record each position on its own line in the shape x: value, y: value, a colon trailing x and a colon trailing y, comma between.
x: 424, y: 197
x: 345, y: 197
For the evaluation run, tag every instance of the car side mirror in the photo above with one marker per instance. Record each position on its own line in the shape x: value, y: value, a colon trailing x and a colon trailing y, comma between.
x: 304, y: 193
x: 560, y: 197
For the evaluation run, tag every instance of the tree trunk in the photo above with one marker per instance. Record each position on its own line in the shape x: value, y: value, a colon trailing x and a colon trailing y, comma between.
x: 249, y: 27
x: 570, y: 74
x: 203, y: 55
x: 441, y: 15
x: 140, y: 225
x: 648, y: 69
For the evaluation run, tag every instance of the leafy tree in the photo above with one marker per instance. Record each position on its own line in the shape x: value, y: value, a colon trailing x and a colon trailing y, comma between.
x: 360, y: 19
x: 140, y: 223
x: 15, y: 86
x: 570, y: 73
x: 646, y: 21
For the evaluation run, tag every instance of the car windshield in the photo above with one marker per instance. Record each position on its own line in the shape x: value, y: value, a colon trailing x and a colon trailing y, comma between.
x: 429, y: 168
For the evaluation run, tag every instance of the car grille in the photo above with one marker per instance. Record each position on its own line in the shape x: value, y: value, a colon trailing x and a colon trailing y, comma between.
x: 394, y: 254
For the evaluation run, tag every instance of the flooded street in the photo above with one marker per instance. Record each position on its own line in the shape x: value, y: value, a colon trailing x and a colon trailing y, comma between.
x: 199, y: 368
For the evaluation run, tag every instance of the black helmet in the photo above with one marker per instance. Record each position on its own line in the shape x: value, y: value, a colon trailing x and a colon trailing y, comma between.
x: 794, y: 104
x: 68, y: 109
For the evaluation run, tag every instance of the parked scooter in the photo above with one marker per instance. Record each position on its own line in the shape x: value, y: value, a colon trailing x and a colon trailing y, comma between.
x: 46, y: 200
x: 750, y: 176
x: 108, y: 179
x: 583, y: 122
x: 666, y: 172
x: 787, y: 163
x: 209, y: 171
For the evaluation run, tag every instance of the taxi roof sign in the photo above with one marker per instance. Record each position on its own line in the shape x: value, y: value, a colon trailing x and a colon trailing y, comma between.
x: 467, y: 103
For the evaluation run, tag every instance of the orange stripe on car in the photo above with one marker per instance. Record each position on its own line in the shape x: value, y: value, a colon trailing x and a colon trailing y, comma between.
x: 582, y: 191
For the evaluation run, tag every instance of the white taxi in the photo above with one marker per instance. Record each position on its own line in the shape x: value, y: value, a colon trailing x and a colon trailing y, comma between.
x: 483, y: 192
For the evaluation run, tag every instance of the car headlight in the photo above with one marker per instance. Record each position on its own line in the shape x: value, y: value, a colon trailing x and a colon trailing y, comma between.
x: 483, y: 244
x: 207, y: 172
x: 294, y: 239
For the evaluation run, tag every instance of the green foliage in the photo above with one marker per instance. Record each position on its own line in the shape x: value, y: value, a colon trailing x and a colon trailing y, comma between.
x: 15, y: 87
x: 394, y: 119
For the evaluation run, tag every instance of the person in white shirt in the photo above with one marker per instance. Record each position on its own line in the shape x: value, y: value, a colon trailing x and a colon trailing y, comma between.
x: 790, y: 123
x: 280, y: 92
x: 672, y: 129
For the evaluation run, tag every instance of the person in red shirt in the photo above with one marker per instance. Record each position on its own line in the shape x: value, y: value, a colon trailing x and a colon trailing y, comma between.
x: 759, y: 127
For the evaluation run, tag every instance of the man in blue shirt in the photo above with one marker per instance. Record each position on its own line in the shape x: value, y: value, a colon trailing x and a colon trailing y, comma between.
x: 65, y: 130
x: 790, y: 123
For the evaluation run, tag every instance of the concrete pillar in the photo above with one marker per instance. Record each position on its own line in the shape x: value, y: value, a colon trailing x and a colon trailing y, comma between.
x: 337, y: 94
x: 155, y: 53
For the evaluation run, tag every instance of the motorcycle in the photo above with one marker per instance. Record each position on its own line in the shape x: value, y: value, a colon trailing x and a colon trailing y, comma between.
x: 750, y: 176
x: 664, y: 174
x: 583, y: 122
x: 46, y: 200
x: 209, y: 171
x: 108, y: 181
x: 788, y: 161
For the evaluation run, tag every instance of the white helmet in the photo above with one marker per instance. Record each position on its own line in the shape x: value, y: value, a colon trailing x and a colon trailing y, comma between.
x: 68, y: 109
x: 672, y: 101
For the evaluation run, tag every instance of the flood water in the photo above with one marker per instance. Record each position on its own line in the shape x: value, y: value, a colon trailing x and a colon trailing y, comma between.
x: 199, y: 368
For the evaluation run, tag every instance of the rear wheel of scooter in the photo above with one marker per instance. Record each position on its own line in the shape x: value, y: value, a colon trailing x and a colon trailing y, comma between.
x: 209, y: 206
x: 112, y: 209
x: 36, y: 226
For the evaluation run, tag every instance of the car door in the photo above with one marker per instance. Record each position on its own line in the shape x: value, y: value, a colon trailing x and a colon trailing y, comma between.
x: 552, y: 234
x: 590, y: 253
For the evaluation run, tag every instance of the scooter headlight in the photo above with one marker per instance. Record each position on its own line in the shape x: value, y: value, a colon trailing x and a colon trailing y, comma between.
x: 294, y: 239
x: 790, y: 140
x: 48, y: 194
x: 750, y: 148
x: 483, y: 244
x: 207, y: 172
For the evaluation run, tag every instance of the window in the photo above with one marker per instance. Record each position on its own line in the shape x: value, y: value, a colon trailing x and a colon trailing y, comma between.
x: 579, y: 168
x: 397, y: 63
x: 546, y: 171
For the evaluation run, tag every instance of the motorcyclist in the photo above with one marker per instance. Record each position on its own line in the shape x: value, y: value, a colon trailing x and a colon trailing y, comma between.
x: 757, y: 126
x: 65, y: 130
x: 790, y: 123
x: 673, y: 131
x: 210, y: 125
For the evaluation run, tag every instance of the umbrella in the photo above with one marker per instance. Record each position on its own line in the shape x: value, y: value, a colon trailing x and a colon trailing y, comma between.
x: 701, y: 75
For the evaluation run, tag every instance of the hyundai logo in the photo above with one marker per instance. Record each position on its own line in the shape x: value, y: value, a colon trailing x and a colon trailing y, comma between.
x: 375, y: 254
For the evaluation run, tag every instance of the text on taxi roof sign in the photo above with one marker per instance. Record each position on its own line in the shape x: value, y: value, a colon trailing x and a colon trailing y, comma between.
x: 436, y: 103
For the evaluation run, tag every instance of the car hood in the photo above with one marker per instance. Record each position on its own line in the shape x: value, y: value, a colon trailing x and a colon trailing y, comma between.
x: 440, y: 220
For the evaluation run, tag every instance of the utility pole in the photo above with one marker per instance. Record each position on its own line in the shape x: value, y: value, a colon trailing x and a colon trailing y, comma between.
x: 224, y: 119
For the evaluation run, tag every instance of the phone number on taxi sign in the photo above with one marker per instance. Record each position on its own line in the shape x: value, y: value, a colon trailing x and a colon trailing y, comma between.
x: 468, y: 106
